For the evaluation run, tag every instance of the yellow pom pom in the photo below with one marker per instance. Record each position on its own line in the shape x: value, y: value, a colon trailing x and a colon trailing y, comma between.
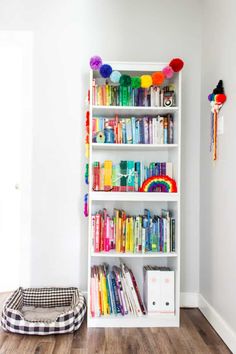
x: 146, y: 81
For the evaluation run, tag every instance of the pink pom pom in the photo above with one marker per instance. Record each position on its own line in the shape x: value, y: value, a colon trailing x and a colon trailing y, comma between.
x: 168, y: 72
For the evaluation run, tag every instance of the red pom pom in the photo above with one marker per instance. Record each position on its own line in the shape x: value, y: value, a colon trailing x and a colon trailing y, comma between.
x: 220, y: 98
x: 158, y: 78
x: 176, y: 64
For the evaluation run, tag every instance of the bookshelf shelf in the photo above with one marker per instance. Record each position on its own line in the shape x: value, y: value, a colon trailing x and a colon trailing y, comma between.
x: 134, y: 196
x: 147, y: 147
x: 135, y: 202
x: 133, y: 255
x: 160, y: 320
x: 108, y: 111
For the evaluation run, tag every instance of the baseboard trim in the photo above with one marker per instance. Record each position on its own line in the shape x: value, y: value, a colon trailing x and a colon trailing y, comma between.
x: 189, y: 299
x: 218, y: 323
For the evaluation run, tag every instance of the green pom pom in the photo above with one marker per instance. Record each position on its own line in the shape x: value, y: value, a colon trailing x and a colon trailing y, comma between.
x: 125, y: 80
x: 135, y: 82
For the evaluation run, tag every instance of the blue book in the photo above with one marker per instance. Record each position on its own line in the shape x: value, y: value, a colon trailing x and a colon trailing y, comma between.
x: 142, y: 139
x: 112, y: 298
x: 137, y: 131
x: 133, y: 130
x: 115, y: 292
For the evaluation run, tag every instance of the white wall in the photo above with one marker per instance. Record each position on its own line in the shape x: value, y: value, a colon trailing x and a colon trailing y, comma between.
x: 217, y: 183
x: 67, y: 33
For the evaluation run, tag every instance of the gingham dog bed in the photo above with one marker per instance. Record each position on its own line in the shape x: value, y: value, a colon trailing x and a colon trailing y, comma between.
x: 13, y: 319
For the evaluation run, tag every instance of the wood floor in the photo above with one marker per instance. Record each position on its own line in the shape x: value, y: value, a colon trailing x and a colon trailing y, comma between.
x: 194, y: 336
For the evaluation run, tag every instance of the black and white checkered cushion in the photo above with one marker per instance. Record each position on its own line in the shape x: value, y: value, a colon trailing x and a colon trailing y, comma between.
x: 69, y: 321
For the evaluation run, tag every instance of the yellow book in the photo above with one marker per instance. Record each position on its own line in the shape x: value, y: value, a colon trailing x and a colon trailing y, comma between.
x: 107, y: 95
x: 131, y: 244
x: 127, y: 235
x: 104, y: 295
x: 107, y: 175
x: 101, y: 185
x: 117, y: 230
x: 99, y: 96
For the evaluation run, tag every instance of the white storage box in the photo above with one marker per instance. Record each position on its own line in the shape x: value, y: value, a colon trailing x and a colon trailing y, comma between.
x: 159, y: 291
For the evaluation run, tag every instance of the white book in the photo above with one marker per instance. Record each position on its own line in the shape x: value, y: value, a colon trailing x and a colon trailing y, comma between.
x: 130, y: 283
x: 128, y: 294
x: 160, y: 131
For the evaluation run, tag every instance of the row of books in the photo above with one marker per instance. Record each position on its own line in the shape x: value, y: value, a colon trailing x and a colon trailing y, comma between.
x: 134, y: 130
x: 114, y: 292
x: 126, y: 176
x: 107, y: 94
x: 135, y: 234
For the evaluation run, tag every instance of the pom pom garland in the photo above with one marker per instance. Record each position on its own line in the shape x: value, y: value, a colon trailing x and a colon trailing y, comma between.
x: 125, y: 80
x: 146, y: 81
x: 135, y: 82
x: 95, y: 62
x: 158, y: 78
x: 105, y: 70
x: 168, y: 72
x: 176, y: 64
x: 115, y: 76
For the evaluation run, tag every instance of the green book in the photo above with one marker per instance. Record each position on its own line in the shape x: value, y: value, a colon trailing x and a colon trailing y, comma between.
x: 130, y: 173
x: 123, y: 172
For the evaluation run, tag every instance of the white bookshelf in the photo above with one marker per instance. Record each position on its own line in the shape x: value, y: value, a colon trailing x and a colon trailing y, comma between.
x: 135, y: 202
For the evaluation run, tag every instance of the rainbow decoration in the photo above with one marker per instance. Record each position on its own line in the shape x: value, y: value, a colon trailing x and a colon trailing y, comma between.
x: 166, y: 183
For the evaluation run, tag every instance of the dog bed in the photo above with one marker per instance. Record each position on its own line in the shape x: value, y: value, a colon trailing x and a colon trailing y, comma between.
x: 42, y: 311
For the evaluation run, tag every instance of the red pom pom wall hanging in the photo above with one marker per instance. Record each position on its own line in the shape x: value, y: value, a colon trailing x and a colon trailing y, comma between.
x: 176, y: 64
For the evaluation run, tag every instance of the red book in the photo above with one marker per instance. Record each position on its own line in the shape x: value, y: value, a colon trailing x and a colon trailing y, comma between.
x: 137, y: 292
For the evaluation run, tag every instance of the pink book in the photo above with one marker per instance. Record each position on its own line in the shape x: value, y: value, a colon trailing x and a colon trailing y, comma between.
x: 93, y: 232
x: 107, y: 235
x: 97, y: 232
x: 112, y: 237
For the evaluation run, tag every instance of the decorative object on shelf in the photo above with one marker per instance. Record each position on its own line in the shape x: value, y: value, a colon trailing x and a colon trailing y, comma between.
x: 157, y: 78
x: 125, y: 80
x: 217, y: 98
x: 86, y: 175
x: 168, y: 72
x: 95, y: 62
x: 105, y: 70
x: 135, y: 82
x: 176, y: 64
x: 166, y: 183
x: 146, y: 81
x: 100, y: 138
x: 86, y: 205
x: 87, y: 135
x: 115, y: 76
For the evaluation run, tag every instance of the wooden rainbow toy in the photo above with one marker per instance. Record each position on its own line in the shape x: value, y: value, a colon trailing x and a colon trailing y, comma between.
x: 166, y: 183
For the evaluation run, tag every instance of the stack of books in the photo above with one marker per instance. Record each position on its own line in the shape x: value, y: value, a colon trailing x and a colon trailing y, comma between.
x: 126, y: 176
x: 107, y: 94
x: 134, y: 130
x: 122, y: 232
x: 114, y: 292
